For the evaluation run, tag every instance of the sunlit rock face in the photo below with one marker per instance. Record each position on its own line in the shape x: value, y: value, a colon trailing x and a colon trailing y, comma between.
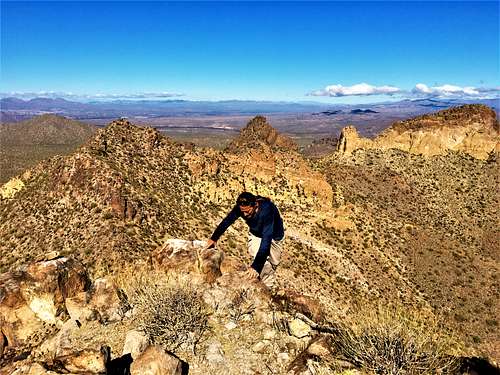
x: 472, y: 129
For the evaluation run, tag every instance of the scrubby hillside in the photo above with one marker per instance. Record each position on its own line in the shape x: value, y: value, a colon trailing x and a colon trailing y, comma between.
x: 25, y: 143
x: 106, y: 203
x: 46, y: 130
x: 433, y: 222
x: 119, y: 196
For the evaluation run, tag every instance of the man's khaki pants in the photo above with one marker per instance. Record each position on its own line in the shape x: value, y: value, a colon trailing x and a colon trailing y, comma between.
x: 267, y: 275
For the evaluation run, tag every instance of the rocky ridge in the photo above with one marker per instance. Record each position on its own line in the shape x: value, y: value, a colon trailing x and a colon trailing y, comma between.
x: 250, y: 330
x: 136, y: 187
x: 263, y: 161
x: 472, y: 129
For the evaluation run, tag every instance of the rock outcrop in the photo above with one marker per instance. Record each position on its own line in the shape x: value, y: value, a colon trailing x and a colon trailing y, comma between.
x: 129, y: 188
x: 32, y: 298
x: 259, y: 132
x: 264, y: 162
x: 472, y: 129
x: 53, y: 296
x: 350, y: 140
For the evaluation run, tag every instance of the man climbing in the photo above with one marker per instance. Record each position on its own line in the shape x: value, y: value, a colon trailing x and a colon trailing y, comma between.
x: 265, y: 235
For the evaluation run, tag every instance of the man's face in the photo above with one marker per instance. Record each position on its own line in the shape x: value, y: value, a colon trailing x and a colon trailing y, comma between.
x: 247, y: 211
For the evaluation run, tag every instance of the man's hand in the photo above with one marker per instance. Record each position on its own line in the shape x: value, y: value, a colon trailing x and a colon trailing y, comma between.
x: 210, y: 244
x: 250, y: 274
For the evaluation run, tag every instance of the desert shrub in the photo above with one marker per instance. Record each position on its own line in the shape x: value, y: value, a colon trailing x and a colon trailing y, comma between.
x: 393, y: 340
x: 240, y: 305
x: 168, y: 309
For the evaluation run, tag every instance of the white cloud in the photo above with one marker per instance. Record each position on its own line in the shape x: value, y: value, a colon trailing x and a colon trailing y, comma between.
x: 361, y: 89
x: 453, y: 91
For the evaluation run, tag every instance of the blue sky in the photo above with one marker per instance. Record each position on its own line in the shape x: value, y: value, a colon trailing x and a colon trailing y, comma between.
x: 337, y: 52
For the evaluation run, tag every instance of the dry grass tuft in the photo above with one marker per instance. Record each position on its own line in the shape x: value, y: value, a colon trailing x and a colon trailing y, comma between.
x: 168, y: 309
x: 392, y: 340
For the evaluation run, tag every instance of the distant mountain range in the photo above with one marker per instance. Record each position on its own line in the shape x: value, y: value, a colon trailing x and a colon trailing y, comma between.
x: 14, y: 109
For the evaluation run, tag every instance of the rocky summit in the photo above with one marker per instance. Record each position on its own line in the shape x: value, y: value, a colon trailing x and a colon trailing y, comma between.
x: 103, y: 266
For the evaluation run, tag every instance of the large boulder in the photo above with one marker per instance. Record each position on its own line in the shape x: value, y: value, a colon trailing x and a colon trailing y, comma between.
x: 189, y: 256
x: 33, y: 297
x: 156, y: 361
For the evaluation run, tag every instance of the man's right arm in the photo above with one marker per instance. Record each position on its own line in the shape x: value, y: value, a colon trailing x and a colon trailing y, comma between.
x: 224, y: 224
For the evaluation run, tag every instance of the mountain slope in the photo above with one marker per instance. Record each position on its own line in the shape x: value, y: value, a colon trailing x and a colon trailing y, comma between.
x: 433, y: 222
x: 46, y: 130
x: 371, y: 227
x: 25, y: 143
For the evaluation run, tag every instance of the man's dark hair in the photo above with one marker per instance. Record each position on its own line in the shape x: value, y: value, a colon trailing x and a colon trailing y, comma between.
x: 246, y: 199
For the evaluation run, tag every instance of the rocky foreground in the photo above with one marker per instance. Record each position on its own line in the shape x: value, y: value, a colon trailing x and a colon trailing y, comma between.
x: 56, y: 320
x: 90, y: 241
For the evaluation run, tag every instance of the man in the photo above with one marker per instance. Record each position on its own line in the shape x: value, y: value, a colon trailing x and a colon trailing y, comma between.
x: 265, y: 236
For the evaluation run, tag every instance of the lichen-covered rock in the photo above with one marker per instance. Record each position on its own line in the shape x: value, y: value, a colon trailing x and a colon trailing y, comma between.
x: 79, y: 309
x: 298, y: 328
x: 11, y: 188
x: 101, y: 302
x: 91, y: 361
x: 59, y: 344
x: 261, y: 346
x: 319, y: 347
x: 106, y: 301
x: 215, y: 353
x: 32, y: 369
